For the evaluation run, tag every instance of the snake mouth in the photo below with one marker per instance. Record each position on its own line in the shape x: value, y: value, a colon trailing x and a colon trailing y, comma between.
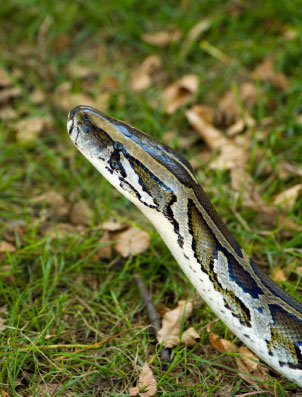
x: 70, y: 124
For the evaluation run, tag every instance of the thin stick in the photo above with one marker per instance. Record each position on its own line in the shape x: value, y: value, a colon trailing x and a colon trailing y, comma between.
x: 153, y: 315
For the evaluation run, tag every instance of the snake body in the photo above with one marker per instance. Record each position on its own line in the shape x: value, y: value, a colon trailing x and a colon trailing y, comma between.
x: 163, y: 186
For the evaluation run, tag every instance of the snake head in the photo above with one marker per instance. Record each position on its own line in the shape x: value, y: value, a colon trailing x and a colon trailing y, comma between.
x: 134, y: 162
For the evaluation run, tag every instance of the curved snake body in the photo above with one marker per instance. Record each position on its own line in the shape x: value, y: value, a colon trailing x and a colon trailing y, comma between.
x: 163, y: 186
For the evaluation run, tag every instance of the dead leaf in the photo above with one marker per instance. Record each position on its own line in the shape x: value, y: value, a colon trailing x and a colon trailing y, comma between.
x: 65, y: 99
x: 38, y: 96
x: 211, y: 135
x: 146, y: 385
x: 5, y: 80
x: 285, y: 224
x: 178, y: 93
x: 3, y: 393
x: 278, y: 274
x: 79, y: 71
x: 29, y: 129
x: 14, y: 230
x: 80, y: 214
x: 220, y: 344
x: 162, y: 38
x: 7, y: 113
x: 7, y: 247
x: 243, y: 183
x: 205, y: 112
x: 265, y: 72
x: 172, y: 321
x: 288, y: 197
x: 287, y: 169
x: 190, y: 337
x: 248, y: 364
x: 110, y: 83
x: 132, y: 242
x: 246, y: 122
x: 9, y: 93
x: 141, y: 78
x: 112, y: 226
x: 194, y: 34
x: 58, y: 205
x: 60, y: 230
x: 61, y: 42
x: 105, y: 250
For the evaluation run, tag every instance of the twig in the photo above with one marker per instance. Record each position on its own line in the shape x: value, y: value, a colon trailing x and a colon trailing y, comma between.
x: 153, y: 315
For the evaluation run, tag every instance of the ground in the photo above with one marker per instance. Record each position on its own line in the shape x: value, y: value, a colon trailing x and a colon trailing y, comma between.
x: 59, y: 294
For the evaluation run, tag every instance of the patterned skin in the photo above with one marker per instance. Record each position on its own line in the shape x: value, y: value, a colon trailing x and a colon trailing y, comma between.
x: 163, y: 186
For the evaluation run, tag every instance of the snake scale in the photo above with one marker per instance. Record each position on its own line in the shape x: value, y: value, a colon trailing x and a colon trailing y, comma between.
x: 163, y: 186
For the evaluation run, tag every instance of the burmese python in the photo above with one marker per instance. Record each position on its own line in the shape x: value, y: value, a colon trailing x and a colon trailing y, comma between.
x: 162, y: 185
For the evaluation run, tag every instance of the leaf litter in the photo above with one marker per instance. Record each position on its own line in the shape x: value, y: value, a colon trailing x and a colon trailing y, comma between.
x: 146, y: 385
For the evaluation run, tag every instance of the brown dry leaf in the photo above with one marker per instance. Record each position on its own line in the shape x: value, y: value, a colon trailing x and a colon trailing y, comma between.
x: 29, y: 129
x: 7, y: 247
x: 228, y: 111
x: 132, y: 242
x: 229, y: 108
x: 265, y: 72
x: 14, y: 230
x: 247, y: 365
x: 58, y: 205
x: 79, y: 71
x: 141, y: 78
x: 278, y: 274
x: 9, y: 93
x: 60, y: 230
x: 287, y: 169
x: 80, y: 214
x: 291, y: 33
x: 248, y: 93
x: 178, y: 93
x: 61, y: 42
x: 206, y: 112
x: 243, y: 183
x: 190, y: 337
x: 242, y: 124
x: 162, y: 38
x: 7, y: 113
x: 5, y: 80
x: 112, y: 226
x: 105, y: 250
x: 110, y: 83
x: 146, y: 385
x: 220, y: 344
x: 194, y: 34
x: 285, y: 224
x: 211, y: 135
x: 68, y: 100
x: 38, y: 96
x: 288, y: 197
x: 231, y: 157
x: 172, y: 321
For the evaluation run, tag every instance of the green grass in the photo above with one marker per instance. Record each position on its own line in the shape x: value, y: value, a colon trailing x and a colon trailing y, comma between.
x: 56, y: 297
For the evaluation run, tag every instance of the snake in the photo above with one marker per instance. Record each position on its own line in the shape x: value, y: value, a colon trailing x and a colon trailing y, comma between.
x: 163, y: 185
